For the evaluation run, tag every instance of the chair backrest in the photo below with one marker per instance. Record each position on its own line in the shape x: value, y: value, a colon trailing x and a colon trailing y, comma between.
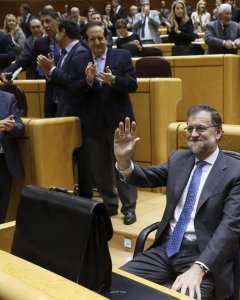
x: 65, y: 234
x: 151, y: 51
x: 20, y: 97
x: 153, y: 66
x: 132, y: 48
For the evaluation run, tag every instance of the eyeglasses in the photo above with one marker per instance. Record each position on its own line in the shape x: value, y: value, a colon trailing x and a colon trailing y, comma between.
x: 198, y: 129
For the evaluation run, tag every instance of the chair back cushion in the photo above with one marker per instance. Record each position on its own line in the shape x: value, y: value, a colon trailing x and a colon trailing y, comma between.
x: 153, y: 66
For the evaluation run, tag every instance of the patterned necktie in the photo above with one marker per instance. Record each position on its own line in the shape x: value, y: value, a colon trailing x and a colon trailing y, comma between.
x: 174, y: 243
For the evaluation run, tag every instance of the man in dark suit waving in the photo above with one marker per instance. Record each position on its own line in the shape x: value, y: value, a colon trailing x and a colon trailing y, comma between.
x: 199, y: 233
x: 11, y: 127
x: 103, y: 78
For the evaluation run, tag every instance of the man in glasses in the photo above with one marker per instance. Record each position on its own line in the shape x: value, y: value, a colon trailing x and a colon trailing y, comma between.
x: 198, y: 236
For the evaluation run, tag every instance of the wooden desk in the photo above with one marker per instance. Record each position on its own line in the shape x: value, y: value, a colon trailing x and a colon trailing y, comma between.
x: 20, y: 279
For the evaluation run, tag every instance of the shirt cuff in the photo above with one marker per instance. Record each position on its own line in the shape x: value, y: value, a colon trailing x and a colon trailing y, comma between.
x: 202, y: 264
x: 125, y: 173
x: 51, y: 70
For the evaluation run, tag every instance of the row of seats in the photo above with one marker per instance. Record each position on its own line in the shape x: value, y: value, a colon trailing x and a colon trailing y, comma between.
x: 211, y: 79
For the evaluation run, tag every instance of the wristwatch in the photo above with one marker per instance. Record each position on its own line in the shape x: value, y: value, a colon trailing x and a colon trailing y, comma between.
x: 203, y: 268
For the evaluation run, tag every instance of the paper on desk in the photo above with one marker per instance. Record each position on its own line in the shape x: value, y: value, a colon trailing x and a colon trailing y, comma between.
x: 15, y: 74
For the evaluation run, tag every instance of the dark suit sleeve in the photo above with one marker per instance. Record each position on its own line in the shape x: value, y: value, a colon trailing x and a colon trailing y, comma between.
x: 78, y: 82
x: 219, y: 250
x: 61, y: 77
x: 18, y: 129
x: 126, y: 80
x: 150, y: 177
x: 29, y: 56
x: 7, y: 54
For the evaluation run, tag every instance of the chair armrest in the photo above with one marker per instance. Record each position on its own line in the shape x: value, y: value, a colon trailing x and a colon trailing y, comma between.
x: 140, y: 242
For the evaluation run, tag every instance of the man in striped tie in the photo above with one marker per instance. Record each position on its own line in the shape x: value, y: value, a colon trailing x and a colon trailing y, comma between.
x: 199, y: 233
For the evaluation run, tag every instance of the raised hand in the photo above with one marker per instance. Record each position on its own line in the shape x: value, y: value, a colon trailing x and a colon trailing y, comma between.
x: 125, y: 143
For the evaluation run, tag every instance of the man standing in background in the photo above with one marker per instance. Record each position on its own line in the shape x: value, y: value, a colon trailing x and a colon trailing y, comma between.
x: 105, y: 76
x: 146, y: 24
x: 11, y: 127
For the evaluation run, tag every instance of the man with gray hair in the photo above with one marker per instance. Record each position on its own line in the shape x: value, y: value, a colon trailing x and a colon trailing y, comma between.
x: 223, y: 35
x: 146, y: 23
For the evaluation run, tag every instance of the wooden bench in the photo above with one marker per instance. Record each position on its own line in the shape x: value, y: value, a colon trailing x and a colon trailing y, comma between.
x: 46, y: 150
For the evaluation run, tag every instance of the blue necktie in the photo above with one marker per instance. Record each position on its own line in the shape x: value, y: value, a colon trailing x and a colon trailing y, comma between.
x: 143, y: 28
x: 174, y: 243
x: 63, y: 53
x: 56, y: 52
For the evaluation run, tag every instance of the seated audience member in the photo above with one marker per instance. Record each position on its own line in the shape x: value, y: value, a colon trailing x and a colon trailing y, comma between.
x: 188, y: 8
x: 223, y: 35
x: 75, y: 17
x: 107, y: 16
x: 191, y: 252
x: 90, y: 11
x: 146, y: 24
x: 7, y: 50
x: 11, y: 27
x: 235, y: 11
x: 130, y: 18
x: 163, y: 11
x: 119, y: 12
x: 127, y: 37
x: 180, y: 29
x: 66, y: 12
x: 37, y: 31
x: 25, y: 12
x: 11, y: 167
x: 215, y: 10
x: 97, y: 17
x: 200, y: 17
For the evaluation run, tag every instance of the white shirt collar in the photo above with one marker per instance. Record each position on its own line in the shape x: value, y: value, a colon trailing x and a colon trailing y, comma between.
x: 71, y: 45
x: 212, y: 158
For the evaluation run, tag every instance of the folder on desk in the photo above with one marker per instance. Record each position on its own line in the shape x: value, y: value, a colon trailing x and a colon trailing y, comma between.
x: 124, y: 288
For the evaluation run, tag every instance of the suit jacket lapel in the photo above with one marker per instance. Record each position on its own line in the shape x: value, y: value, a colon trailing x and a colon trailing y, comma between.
x: 213, y: 180
x: 69, y: 55
x: 184, y: 168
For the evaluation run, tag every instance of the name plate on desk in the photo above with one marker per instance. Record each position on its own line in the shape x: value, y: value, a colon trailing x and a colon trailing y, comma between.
x: 125, y: 288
